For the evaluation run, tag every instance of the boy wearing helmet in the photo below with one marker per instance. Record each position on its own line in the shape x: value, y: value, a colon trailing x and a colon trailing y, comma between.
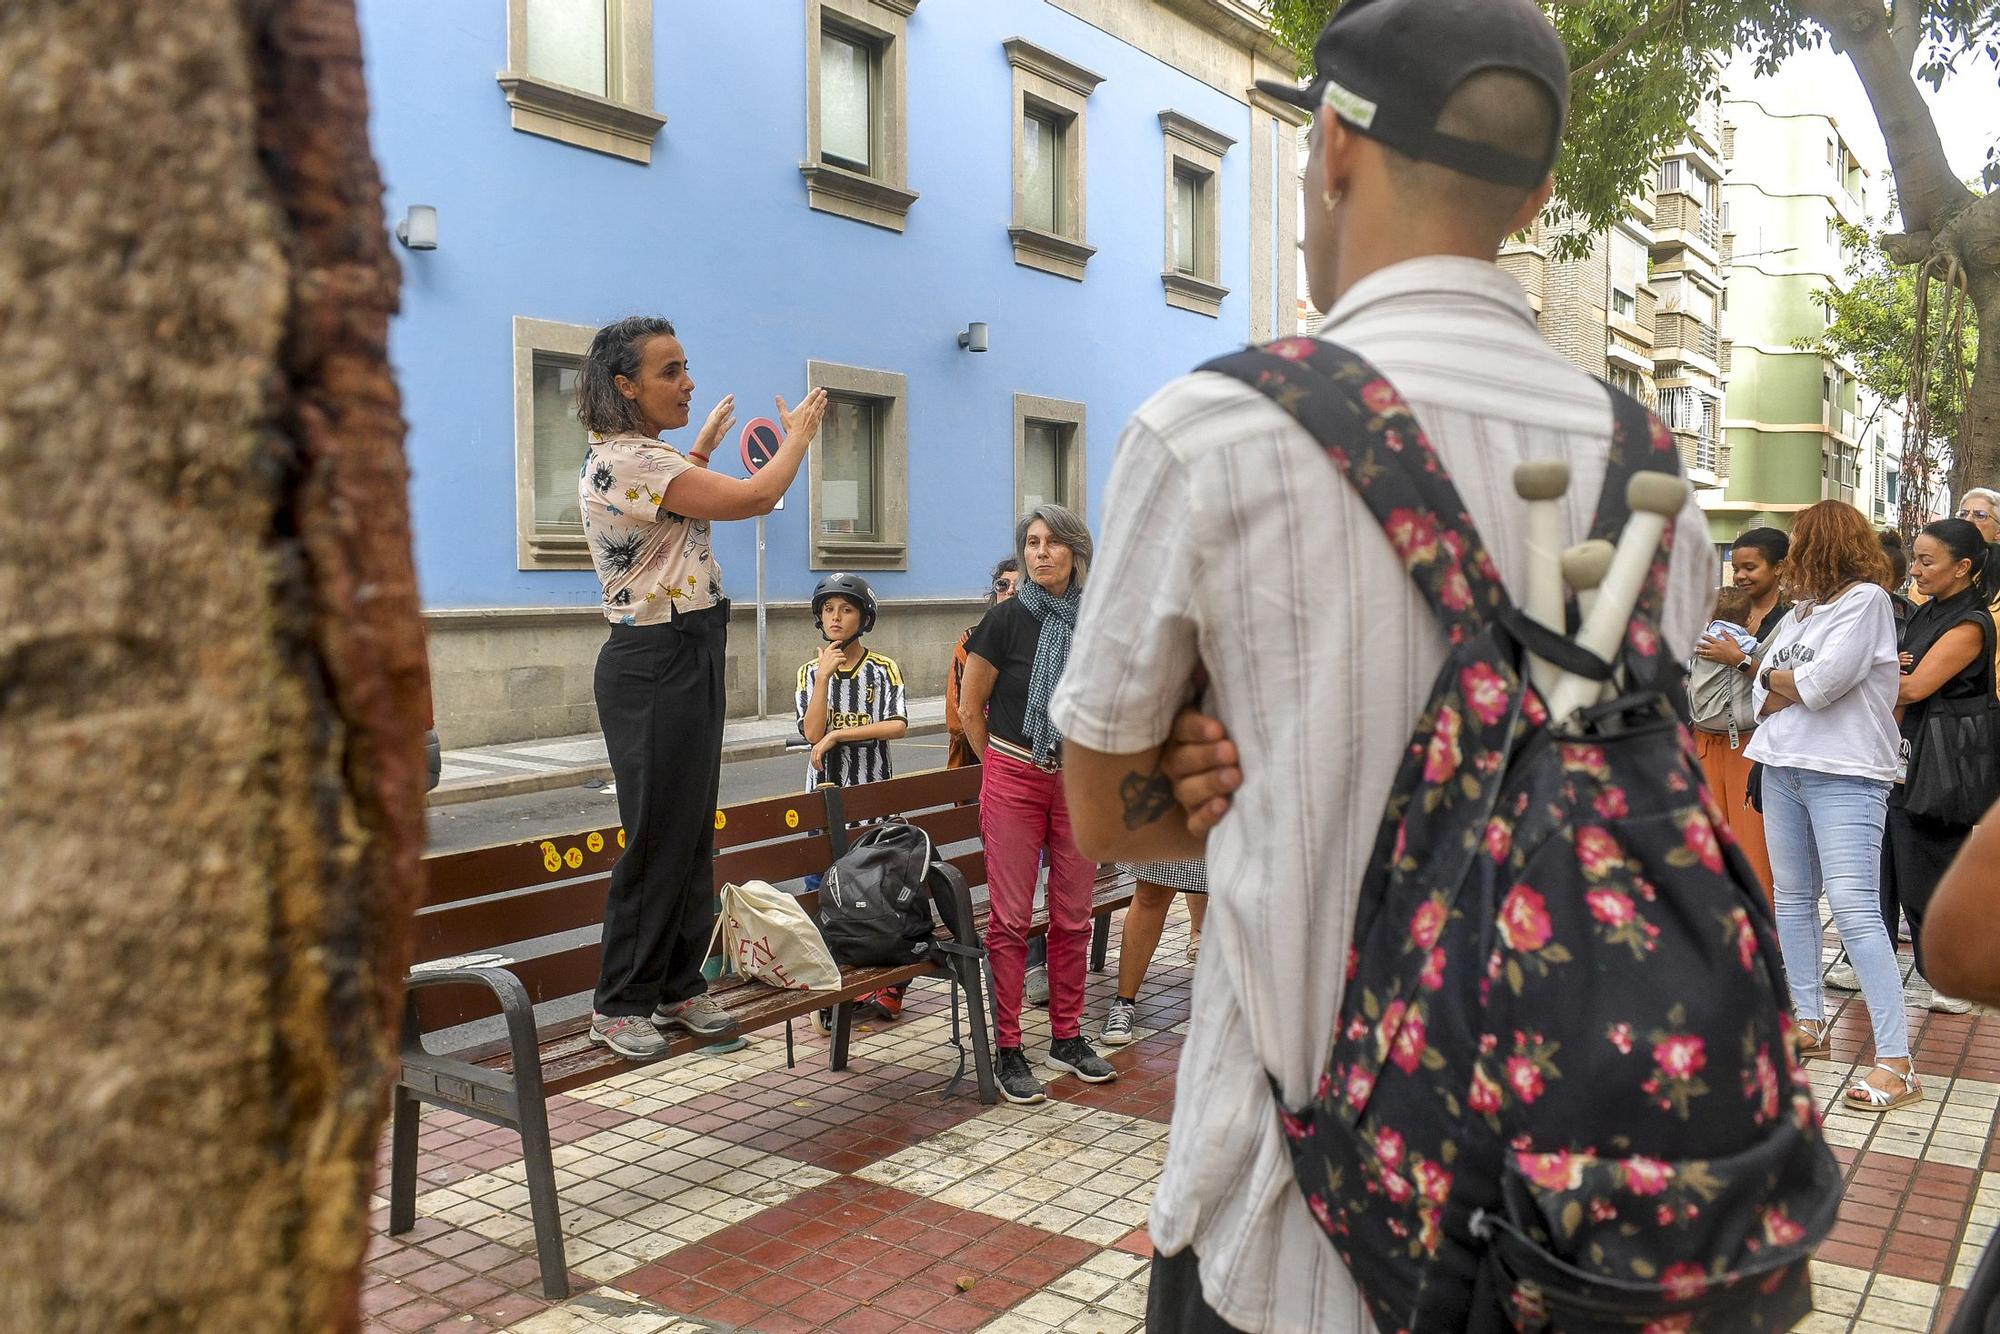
x: 850, y: 700
x: 850, y: 707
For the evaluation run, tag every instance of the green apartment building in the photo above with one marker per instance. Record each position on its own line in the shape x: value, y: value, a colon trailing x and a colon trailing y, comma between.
x: 1791, y: 429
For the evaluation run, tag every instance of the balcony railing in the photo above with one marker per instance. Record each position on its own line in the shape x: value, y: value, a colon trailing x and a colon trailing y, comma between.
x: 1710, y: 228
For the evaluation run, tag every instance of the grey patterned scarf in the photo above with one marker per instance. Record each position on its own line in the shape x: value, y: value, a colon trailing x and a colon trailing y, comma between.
x: 1058, y: 618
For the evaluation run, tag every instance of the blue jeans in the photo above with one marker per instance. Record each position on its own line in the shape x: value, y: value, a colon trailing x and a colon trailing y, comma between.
x: 1825, y: 832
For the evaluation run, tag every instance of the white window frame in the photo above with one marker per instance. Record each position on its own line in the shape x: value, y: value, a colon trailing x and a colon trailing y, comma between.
x: 1072, y: 417
x: 1057, y: 89
x: 881, y: 196
x: 623, y: 123
x: 1196, y: 150
x: 889, y: 547
x: 535, y: 550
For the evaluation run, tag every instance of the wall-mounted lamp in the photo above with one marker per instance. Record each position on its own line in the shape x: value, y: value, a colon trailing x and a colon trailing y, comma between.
x: 973, y: 337
x: 419, y: 228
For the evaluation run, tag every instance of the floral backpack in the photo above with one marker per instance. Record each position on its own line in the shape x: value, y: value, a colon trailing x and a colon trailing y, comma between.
x: 1561, y: 1093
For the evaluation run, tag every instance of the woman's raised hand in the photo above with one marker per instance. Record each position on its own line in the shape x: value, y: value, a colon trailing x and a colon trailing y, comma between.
x: 720, y: 419
x: 803, y: 421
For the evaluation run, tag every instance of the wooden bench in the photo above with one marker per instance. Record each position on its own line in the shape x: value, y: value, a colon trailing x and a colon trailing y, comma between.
x: 493, y: 899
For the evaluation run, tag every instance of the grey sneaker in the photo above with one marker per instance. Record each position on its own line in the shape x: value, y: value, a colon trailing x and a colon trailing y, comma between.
x: 1036, y: 990
x: 1081, y: 1059
x: 632, y: 1036
x: 699, y: 1015
x: 1118, y: 1024
x: 1943, y: 1004
x: 1017, y: 1082
x: 1841, y: 977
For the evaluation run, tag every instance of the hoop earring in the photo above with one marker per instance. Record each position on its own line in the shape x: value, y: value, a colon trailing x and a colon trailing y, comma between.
x: 1328, y: 200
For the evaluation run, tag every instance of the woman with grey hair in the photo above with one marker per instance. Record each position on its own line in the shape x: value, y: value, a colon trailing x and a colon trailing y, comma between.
x: 646, y: 513
x: 1014, y: 659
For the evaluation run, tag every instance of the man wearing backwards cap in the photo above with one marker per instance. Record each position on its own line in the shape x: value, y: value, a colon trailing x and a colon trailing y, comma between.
x: 1231, y: 539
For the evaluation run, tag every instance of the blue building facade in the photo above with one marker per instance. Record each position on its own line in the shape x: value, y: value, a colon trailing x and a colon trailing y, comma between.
x: 816, y: 192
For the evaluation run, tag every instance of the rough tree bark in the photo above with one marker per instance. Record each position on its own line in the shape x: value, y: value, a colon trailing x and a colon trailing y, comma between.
x: 1940, y: 215
x: 212, y: 680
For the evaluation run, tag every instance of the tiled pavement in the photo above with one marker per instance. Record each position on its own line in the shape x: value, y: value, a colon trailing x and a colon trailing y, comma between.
x: 729, y: 1193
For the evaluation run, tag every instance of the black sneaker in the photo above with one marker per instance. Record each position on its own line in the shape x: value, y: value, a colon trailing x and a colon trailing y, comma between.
x: 1017, y: 1081
x: 1077, y: 1056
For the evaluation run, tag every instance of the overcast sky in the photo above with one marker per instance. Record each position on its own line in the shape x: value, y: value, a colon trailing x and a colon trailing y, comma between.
x: 1967, y: 108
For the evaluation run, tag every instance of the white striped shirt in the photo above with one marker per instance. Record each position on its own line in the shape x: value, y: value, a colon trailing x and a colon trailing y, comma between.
x: 871, y: 693
x: 1228, y: 536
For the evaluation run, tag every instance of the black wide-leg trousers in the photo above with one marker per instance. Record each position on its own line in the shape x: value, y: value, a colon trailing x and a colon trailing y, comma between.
x: 660, y: 702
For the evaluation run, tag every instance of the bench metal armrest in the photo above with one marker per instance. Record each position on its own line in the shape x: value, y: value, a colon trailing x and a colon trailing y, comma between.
x: 954, y: 904
x: 515, y: 1006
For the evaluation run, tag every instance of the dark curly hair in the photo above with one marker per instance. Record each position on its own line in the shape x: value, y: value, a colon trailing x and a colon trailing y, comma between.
x: 614, y: 352
x: 1833, y: 546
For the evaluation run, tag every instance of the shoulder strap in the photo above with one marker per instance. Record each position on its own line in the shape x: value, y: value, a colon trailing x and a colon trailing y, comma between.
x: 1369, y: 432
x: 1640, y: 442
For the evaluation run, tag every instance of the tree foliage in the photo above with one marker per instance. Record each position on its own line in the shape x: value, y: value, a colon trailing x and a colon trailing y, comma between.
x: 1874, y: 326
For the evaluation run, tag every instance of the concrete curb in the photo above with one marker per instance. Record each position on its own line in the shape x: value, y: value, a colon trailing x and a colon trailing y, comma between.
x: 521, y: 785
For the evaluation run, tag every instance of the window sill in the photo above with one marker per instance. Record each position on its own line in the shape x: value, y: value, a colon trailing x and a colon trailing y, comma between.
x: 572, y: 116
x: 1060, y: 255
x: 849, y: 194
x: 1187, y: 292
x: 859, y: 554
x: 555, y: 551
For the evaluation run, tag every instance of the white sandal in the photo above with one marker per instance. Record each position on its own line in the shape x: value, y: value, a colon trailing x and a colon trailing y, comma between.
x: 1878, y: 1100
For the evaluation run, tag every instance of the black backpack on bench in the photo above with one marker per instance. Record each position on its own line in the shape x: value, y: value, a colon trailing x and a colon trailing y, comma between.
x: 1561, y: 1093
x: 874, y: 907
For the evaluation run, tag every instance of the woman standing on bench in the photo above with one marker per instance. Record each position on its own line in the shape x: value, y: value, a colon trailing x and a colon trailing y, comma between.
x: 1013, y: 661
x: 647, y: 507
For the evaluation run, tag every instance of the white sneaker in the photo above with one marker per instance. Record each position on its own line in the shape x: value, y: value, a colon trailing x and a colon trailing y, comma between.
x: 1118, y: 1024
x: 1841, y: 977
x: 1035, y: 986
x: 1943, y: 1004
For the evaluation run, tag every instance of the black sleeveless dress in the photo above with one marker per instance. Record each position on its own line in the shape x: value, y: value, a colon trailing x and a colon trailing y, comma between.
x: 1915, y: 850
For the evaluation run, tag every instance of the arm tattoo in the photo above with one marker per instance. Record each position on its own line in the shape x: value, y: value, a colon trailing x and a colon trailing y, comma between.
x: 1147, y: 797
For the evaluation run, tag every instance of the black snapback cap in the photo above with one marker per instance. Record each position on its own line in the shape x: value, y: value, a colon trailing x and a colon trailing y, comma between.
x: 1387, y: 67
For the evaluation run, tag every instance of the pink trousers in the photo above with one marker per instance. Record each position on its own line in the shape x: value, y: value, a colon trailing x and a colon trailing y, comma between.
x: 1021, y: 812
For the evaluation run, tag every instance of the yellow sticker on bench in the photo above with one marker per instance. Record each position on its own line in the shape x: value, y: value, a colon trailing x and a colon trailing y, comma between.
x: 791, y: 819
x: 573, y: 858
x: 721, y: 820
x: 595, y: 842
x: 621, y: 838
x: 551, y: 859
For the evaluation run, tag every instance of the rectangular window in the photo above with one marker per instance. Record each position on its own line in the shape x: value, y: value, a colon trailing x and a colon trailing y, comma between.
x: 581, y: 72
x: 1621, y: 303
x: 1894, y: 484
x: 850, y: 454
x: 1192, y: 215
x: 1670, y: 175
x: 1048, y: 217
x: 569, y: 43
x: 846, y: 100
x: 1042, y: 170
x: 859, y: 502
x: 1048, y: 452
x: 559, y: 445
x: 857, y: 131
x: 549, y: 444
x: 1042, y: 469
x: 1189, y: 190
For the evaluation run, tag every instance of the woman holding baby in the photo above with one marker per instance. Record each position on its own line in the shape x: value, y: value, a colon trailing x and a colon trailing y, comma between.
x: 1757, y: 561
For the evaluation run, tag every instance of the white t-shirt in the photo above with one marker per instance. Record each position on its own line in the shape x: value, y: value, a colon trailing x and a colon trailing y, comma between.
x: 1228, y: 536
x: 1843, y: 656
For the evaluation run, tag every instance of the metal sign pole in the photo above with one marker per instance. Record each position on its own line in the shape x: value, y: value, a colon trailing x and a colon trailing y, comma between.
x: 763, y: 662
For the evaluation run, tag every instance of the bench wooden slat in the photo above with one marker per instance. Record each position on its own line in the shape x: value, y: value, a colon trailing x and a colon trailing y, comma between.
x: 933, y: 787
x: 971, y: 865
x: 952, y: 824
x: 758, y: 821
x: 453, y: 930
x: 483, y: 871
x: 547, y: 977
x: 775, y: 861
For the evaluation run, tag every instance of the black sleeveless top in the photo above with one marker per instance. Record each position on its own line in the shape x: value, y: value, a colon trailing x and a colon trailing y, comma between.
x: 1930, y: 623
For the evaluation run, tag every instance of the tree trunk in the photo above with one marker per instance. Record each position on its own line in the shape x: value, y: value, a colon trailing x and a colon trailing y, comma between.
x: 1940, y: 215
x: 212, y: 680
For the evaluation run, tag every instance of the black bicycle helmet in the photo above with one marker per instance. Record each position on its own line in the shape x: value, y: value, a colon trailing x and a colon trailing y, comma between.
x: 852, y: 587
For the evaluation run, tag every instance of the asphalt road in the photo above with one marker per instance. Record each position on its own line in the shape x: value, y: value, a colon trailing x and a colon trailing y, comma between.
x: 478, y: 824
